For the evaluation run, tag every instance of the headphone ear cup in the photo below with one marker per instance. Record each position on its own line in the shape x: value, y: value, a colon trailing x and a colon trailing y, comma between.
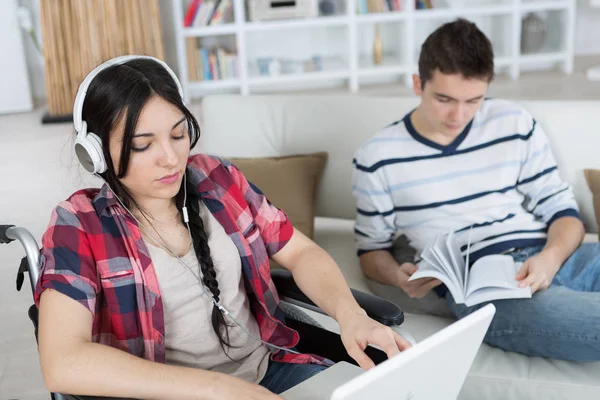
x: 88, y: 149
x: 99, y: 161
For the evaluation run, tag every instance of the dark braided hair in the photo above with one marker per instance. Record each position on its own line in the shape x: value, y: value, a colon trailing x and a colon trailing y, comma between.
x: 205, y: 261
x: 121, y: 91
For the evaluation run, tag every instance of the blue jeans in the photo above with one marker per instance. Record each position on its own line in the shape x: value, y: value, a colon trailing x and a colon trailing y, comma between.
x: 283, y: 376
x: 561, y: 322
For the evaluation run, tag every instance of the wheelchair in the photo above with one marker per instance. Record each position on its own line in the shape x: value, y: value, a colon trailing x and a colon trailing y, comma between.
x: 314, y: 338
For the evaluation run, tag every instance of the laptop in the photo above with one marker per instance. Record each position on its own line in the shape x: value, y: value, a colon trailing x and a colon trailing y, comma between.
x: 434, y: 368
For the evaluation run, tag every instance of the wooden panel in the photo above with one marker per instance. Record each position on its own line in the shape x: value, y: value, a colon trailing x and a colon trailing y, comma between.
x: 80, y: 34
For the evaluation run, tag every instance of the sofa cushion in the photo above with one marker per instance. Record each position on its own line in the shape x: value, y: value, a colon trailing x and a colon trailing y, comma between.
x: 592, y: 176
x: 289, y: 182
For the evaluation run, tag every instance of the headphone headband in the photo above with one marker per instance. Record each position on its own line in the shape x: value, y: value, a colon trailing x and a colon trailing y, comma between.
x: 88, y: 146
x: 85, y: 84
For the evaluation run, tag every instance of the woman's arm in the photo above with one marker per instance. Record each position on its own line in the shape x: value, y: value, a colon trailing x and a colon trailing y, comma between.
x: 319, y: 277
x: 73, y: 364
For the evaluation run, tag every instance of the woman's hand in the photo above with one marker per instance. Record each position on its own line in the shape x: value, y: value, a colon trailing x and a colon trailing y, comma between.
x: 358, y: 331
x: 231, y: 388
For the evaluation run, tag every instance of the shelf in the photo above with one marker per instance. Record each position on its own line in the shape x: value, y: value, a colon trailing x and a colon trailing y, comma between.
x: 299, y: 78
x: 544, y: 5
x: 381, y: 17
x: 296, y: 24
x: 214, y: 85
x: 217, y: 30
x: 542, y: 58
x: 380, y: 70
x: 351, y: 39
x: 489, y: 10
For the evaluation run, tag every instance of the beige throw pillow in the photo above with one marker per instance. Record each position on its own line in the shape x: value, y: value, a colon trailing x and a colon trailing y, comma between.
x: 289, y: 182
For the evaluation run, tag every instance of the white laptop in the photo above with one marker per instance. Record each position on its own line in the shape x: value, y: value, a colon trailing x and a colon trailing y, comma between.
x: 435, y: 368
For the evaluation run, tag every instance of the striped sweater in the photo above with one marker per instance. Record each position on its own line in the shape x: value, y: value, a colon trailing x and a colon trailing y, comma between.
x: 498, y: 176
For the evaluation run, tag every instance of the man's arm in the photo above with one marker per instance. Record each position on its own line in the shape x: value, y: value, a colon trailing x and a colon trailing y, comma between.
x: 382, y: 267
x: 564, y: 236
x: 551, y: 200
x: 375, y: 227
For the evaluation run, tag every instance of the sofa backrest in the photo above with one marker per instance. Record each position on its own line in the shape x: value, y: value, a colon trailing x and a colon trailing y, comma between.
x: 270, y: 125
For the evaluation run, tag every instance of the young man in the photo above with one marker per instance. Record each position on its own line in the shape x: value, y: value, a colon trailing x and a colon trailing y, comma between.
x: 460, y: 160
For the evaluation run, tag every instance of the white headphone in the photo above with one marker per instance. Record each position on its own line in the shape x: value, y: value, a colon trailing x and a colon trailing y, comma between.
x: 88, y: 146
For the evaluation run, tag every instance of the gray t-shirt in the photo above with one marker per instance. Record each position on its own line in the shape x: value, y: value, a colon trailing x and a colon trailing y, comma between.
x: 190, y: 339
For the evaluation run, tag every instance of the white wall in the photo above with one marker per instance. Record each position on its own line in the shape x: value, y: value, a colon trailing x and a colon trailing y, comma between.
x: 587, y: 38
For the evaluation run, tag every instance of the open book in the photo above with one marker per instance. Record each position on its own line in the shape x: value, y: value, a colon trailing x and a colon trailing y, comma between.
x: 490, y: 278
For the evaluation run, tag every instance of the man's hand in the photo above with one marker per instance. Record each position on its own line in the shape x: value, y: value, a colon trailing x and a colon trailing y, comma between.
x: 417, y: 288
x: 357, y: 331
x: 538, y: 271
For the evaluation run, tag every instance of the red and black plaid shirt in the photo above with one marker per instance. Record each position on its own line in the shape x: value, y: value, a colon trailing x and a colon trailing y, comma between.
x: 94, y: 253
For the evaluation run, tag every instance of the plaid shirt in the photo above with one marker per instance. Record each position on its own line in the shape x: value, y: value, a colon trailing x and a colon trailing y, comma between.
x: 94, y: 253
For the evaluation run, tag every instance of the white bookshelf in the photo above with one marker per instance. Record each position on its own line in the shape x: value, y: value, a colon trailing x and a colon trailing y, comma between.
x: 349, y: 36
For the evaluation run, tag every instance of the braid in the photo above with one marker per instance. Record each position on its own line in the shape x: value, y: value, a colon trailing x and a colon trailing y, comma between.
x: 205, y: 261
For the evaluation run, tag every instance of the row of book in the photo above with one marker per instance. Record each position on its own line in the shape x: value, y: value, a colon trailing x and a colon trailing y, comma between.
x: 211, y: 64
x: 208, y: 13
x: 380, y: 6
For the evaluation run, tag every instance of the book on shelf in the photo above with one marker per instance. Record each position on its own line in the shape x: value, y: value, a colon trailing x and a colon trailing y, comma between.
x: 213, y: 64
x: 491, y: 277
x: 378, y: 6
x: 423, y: 4
x: 208, y: 13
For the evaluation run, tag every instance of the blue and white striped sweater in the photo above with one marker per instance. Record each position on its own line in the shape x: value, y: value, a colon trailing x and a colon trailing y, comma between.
x: 498, y: 176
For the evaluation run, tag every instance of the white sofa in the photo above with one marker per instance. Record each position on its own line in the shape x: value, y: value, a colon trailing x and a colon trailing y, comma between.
x: 260, y: 126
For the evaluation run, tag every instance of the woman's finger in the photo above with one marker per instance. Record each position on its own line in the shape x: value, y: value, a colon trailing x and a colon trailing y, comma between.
x: 359, y: 356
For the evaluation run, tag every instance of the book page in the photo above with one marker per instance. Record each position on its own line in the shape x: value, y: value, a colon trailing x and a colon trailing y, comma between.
x: 495, y: 293
x: 427, y: 270
x: 494, y: 271
x: 467, y: 261
x: 458, y: 264
x: 437, y: 255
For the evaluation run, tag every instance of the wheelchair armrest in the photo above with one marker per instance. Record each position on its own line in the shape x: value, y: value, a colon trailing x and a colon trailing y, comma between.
x: 73, y: 397
x: 379, y: 309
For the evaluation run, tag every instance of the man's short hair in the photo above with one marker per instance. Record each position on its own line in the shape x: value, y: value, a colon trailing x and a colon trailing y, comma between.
x: 457, y: 47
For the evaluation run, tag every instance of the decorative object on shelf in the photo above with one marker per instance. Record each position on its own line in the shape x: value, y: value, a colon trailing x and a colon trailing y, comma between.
x: 271, y: 66
x: 264, y: 10
x: 377, y: 47
x: 533, y: 33
x: 327, y: 7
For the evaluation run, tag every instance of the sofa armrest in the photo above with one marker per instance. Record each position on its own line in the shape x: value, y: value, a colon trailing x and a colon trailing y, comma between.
x: 379, y: 309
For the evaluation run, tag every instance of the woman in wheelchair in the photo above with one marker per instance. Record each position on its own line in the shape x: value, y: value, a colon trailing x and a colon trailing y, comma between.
x: 157, y: 285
